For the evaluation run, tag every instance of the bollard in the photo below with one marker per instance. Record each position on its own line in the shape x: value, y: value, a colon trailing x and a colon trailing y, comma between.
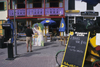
x: 10, y: 51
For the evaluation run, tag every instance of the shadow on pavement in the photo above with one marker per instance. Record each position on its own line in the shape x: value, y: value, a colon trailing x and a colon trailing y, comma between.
x: 40, y: 48
x: 48, y: 43
x: 1, y: 53
x: 46, y: 46
x: 19, y: 44
x: 55, y: 46
x: 28, y: 54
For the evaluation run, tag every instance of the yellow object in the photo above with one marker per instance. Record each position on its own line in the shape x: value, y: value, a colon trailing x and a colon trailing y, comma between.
x: 92, y: 51
x: 47, y: 21
x: 62, y: 25
x: 0, y: 26
x: 1, y: 30
x: 0, y: 22
x: 86, y: 49
x: 72, y: 11
x: 5, y: 5
x: 71, y: 33
x: 63, y: 66
x: 91, y: 58
x: 40, y: 29
x: 36, y: 35
x: 93, y: 42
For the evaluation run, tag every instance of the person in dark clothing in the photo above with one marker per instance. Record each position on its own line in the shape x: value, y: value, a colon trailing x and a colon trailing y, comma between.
x: 29, y: 33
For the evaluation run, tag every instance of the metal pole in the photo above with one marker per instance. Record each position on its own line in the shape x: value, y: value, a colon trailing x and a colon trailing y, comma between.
x: 15, y: 31
x: 67, y: 24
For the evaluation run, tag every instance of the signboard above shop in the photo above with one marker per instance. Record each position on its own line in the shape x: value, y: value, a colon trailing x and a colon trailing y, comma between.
x: 72, y: 11
x: 43, y: 18
x: 89, y: 13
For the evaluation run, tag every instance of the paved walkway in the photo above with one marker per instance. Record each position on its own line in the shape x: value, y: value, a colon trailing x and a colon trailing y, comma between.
x: 40, y: 57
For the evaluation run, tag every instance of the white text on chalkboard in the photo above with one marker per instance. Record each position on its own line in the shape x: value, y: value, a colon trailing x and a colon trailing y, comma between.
x: 80, y: 34
x: 80, y: 42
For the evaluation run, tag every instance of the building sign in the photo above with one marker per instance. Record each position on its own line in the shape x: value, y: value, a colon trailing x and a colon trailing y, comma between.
x: 89, y: 13
x: 43, y: 18
x: 72, y: 11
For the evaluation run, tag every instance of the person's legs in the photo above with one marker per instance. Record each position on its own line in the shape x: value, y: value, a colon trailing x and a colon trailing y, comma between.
x: 31, y: 47
x: 27, y: 48
x: 27, y: 42
x: 30, y: 44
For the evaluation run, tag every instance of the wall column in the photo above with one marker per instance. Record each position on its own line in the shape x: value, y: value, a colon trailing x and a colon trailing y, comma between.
x: 44, y: 7
x: 26, y: 8
x: 27, y: 23
x: 7, y: 9
x: 63, y: 7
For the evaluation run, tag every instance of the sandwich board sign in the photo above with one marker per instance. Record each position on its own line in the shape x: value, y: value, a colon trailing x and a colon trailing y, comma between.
x: 76, y: 49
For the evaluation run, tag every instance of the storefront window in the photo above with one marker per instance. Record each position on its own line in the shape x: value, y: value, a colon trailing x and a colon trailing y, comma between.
x: 71, y: 5
x: 1, y: 5
x: 21, y: 27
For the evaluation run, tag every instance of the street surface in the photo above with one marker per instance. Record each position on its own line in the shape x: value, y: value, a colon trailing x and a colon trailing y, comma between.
x: 40, y: 57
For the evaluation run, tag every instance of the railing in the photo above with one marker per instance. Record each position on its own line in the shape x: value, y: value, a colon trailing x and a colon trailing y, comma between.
x: 54, y: 11
x: 18, y: 12
x: 36, y: 12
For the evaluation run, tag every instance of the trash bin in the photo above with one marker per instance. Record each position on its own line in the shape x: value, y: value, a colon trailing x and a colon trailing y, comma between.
x: 2, y: 45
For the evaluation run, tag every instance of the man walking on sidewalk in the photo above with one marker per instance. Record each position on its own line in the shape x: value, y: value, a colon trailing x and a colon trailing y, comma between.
x: 29, y: 33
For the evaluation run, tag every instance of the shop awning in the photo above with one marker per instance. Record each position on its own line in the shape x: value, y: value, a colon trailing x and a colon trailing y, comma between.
x: 92, y: 2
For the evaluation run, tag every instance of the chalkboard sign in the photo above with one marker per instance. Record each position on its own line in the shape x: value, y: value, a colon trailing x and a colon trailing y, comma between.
x: 76, y: 49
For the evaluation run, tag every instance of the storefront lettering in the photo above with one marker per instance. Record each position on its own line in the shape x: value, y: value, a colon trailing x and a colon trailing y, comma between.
x: 90, y: 13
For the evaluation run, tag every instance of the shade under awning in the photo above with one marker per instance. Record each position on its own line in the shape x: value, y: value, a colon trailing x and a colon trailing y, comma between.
x: 92, y: 2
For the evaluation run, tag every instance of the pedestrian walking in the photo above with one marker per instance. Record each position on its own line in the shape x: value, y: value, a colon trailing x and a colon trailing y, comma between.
x: 29, y: 33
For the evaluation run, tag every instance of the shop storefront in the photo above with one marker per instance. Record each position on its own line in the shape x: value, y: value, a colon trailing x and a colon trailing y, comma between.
x: 22, y: 25
x: 76, y: 16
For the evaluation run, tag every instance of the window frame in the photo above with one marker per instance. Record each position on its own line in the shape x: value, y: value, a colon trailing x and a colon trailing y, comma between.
x: 89, y: 7
x: 4, y: 5
x: 37, y: 3
x: 70, y: 6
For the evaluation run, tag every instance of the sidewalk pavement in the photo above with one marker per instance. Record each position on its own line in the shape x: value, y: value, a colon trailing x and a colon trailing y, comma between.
x: 42, y: 56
